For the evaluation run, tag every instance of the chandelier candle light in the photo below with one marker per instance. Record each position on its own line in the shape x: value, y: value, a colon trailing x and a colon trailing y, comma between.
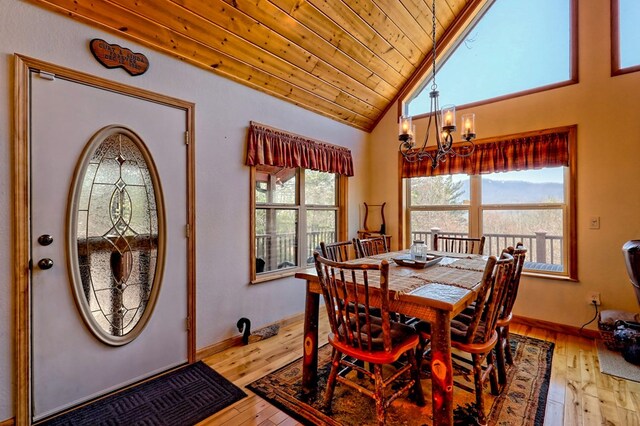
x: 444, y: 121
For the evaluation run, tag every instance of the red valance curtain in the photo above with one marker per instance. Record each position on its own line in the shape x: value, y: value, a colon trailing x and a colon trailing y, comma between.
x: 522, y: 152
x: 273, y: 147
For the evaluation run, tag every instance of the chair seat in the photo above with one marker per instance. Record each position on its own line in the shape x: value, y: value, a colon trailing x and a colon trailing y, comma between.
x: 403, y: 337
x: 503, y: 322
x: 459, y: 327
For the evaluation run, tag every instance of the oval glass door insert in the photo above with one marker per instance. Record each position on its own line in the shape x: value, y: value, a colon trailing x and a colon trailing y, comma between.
x: 116, y: 235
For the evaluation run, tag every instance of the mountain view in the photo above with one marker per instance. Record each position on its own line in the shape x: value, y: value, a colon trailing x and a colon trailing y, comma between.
x: 513, y: 191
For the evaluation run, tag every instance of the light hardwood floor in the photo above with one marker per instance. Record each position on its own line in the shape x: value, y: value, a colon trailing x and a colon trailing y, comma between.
x: 578, y: 393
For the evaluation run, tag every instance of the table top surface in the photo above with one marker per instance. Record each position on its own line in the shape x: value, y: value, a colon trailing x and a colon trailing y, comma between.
x: 449, y: 284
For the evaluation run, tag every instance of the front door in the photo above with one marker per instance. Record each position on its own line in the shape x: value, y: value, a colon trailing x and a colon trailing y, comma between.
x: 83, y: 230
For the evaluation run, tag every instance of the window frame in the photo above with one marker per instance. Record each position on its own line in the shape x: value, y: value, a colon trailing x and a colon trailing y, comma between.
x: 454, y: 37
x: 341, y: 222
x: 476, y: 209
x: 616, y: 69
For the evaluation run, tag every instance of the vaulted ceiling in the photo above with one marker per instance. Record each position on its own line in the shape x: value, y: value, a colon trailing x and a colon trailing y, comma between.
x: 346, y: 59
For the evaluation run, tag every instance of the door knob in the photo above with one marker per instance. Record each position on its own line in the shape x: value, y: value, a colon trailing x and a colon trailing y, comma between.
x: 45, y: 239
x: 45, y: 263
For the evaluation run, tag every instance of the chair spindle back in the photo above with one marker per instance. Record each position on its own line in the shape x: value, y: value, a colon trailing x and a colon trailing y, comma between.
x: 497, y: 274
x: 338, y: 252
x: 370, y: 246
x: 348, y: 297
x: 519, y: 254
x: 459, y: 244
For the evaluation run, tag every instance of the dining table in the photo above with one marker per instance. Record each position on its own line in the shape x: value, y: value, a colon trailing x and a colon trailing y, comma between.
x: 435, y: 290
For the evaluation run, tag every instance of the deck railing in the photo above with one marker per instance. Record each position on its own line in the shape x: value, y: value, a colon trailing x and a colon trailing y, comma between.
x: 545, y: 251
x: 286, y: 248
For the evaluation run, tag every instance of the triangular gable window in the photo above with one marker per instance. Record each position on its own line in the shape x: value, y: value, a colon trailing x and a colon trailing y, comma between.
x: 515, y: 46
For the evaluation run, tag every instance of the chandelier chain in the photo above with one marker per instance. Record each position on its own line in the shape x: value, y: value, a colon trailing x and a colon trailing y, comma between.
x: 434, y: 86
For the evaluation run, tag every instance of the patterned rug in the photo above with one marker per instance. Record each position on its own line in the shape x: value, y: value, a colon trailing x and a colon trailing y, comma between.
x: 522, y: 402
x: 179, y: 398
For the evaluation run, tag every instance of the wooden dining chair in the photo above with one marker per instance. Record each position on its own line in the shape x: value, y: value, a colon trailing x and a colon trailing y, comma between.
x: 357, y: 335
x: 370, y: 246
x: 338, y: 252
x: 503, y: 347
x: 475, y: 332
x: 458, y: 244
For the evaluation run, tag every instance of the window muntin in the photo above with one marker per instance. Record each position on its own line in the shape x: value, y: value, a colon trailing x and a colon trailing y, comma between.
x: 625, y: 35
x: 295, y: 209
x: 515, y: 46
x: 539, y: 219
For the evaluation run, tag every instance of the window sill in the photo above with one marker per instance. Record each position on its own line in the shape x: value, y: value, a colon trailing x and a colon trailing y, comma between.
x: 277, y: 275
x: 549, y: 276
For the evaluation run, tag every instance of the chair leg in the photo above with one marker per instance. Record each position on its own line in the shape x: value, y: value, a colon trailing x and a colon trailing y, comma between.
x: 507, y: 346
x: 477, y: 378
x: 379, y: 394
x: 415, y: 373
x: 331, y: 381
x: 493, y: 374
x: 500, y: 361
x: 422, y: 345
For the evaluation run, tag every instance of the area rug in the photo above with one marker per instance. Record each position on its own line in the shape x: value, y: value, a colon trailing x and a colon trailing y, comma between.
x: 613, y: 363
x: 179, y: 398
x: 522, y: 402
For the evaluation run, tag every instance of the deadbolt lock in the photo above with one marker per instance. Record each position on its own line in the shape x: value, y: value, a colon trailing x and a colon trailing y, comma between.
x: 45, y: 239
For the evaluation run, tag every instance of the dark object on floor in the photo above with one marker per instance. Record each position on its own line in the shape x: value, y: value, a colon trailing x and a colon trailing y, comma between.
x: 522, y: 402
x: 244, y: 327
x: 627, y: 334
x: 182, y: 397
x: 631, y: 353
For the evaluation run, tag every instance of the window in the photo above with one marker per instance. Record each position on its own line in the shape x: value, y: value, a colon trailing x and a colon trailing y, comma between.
x: 295, y: 209
x: 528, y: 206
x: 625, y: 36
x: 505, y: 198
x: 528, y: 44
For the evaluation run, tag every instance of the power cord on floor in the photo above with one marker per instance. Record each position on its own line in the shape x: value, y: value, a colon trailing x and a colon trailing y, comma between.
x: 595, y: 305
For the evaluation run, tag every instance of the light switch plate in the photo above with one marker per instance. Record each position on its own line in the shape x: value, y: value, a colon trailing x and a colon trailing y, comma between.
x: 594, y: 222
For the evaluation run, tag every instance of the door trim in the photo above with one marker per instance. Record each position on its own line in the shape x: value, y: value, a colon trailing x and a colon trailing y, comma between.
x: 21, y: 239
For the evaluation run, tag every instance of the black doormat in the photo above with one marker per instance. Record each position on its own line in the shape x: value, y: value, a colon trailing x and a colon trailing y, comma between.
x: 179, y: 398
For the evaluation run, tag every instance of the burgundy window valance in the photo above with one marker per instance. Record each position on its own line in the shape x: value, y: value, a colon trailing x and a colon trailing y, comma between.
x: 549, y: 148
x: 273, y: 147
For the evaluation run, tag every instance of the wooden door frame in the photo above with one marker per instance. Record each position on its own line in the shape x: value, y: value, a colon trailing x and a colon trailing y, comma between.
x: 21, y: 239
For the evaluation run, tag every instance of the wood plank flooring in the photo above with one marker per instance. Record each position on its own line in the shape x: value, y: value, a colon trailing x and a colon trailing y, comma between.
x: 578, y: 393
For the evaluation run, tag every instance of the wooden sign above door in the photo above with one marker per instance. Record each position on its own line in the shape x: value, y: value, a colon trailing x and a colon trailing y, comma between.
x: 114, y: 56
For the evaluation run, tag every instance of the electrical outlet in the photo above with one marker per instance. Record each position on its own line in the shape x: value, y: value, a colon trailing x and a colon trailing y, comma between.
x: 594, y: 297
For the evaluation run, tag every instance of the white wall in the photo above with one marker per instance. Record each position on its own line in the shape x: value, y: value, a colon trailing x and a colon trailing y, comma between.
x: 223, y: 112
x: 606, y: 111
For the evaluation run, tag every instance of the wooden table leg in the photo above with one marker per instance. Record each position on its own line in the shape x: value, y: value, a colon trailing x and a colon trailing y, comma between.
x: 310, y: 343
x: 442, y: 369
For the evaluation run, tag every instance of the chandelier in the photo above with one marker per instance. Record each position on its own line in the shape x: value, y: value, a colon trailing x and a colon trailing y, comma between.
x: 444, y: 123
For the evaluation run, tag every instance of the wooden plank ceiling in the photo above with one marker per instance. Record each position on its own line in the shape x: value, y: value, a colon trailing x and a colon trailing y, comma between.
x: 345, y: 59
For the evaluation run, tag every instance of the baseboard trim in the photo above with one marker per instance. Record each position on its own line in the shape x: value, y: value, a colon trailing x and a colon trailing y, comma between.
x: 237, y: 340
x: 552, y: 326
x: 8, y: 422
